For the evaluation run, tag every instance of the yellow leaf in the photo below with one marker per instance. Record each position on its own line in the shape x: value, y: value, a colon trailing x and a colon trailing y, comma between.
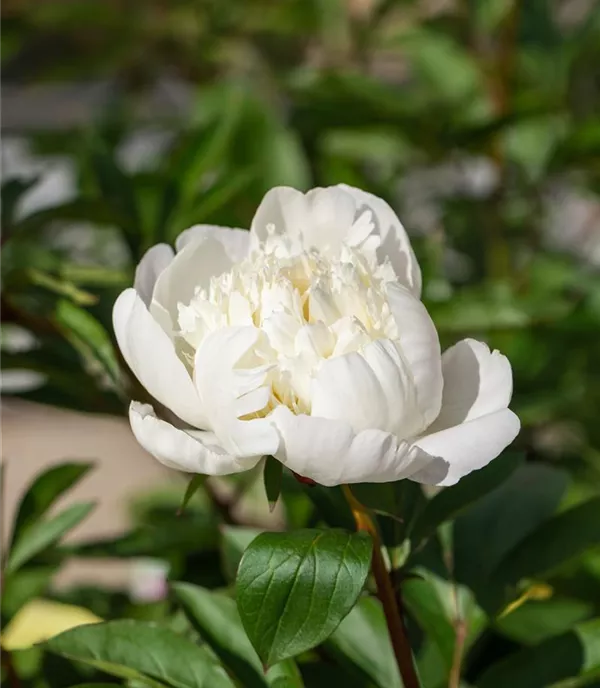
x: 40, y: 620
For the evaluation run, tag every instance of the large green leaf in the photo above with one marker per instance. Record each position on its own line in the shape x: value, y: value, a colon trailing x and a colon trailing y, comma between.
x: 554, y: 542
x: 362, y: 641
x: 571, y: 654
x: 136, y: 650
x: 45, y: 490
x: 216, y: 618
x: 42, y: 534
x: 451, y: 501
x: 293, y: 589
x: 485, y: 533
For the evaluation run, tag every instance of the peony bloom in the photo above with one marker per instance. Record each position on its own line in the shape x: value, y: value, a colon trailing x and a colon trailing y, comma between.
x: 305, y: 338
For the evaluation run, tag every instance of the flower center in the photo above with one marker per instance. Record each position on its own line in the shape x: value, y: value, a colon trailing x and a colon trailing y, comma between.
x: 309, y: 307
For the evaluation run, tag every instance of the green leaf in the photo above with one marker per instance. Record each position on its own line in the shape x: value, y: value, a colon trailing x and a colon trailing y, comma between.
x: 571, y: 654
x: 193, y: 486
x: 285, y: 162
x: 42, y: 534
x: 272, y: 475
x: 556, y: 541
x: 235, y: 540
x: 45, y: 490
x: 216, y: 618
x: 221, y: 194
x: 362, y: 640
x: 438, y: 605
x: 285, y: 675
x: 61, y: 287
x: 538, y: 620
x: 293, y: 589
x: 136, y: 650
x: 451, y: 501
x: 199, y: 153
x: 495, y: 524
x: 88, y: 336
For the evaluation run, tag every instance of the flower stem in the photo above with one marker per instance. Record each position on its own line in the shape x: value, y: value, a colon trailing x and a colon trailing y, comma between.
x: 392, y: 603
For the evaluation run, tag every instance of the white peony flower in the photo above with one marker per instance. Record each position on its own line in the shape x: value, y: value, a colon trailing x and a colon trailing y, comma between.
x: 305, y: 338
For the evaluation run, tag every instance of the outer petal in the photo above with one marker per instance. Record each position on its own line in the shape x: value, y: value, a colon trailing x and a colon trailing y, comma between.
x: 420, y: 347
x: 395, y: 243
x: 151, y: 356
x: 476, y: 382
x: 192, y: 267
x: 368, y: 390
x: 466, y: 447
x: 232, y: 383
x: 331, y: 453
x: 190, y: 451
x: 153, y: 262
x: 235, y: 241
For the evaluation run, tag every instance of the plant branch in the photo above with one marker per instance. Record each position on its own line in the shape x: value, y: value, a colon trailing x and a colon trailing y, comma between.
x: 460, y: 628
x: 392, y: 604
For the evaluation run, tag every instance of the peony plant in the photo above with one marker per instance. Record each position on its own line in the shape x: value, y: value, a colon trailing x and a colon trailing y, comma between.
x: 305, y: 340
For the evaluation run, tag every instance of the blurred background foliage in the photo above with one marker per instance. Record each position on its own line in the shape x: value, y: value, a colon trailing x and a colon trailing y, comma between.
x: 126, y: 121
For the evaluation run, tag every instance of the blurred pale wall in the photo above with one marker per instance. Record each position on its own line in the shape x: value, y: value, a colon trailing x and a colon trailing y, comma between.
x: 35, y: 437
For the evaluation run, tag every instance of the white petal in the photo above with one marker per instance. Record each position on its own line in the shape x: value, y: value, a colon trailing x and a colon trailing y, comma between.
x: 150, y: 354
x: 332, y: 212
x: 236, y: 241
x: 395, y: 243
x: 230, y: 388
x: 190, y: 451
x: 466, y: 447
x: 331, y: 453
x: 476, y: 382
x: 372, y: 390
x: 420, y: 348
x: 283, y: 208
x: 192, y: 267
x: 320, y: 219
x: 153, y: 262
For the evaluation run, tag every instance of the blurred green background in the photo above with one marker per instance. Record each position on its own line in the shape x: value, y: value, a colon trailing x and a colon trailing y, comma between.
x: 125, y: 122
